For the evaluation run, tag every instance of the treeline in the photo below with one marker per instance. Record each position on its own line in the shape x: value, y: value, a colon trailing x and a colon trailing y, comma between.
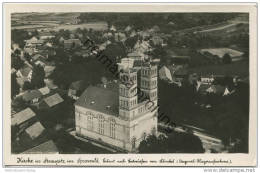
x: 176, y: 21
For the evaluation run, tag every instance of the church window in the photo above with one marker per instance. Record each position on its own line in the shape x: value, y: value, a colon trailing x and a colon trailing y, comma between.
x: 101, y: 121
x: 90, y: 122
x: 133, y: 142
x: 112, y: 128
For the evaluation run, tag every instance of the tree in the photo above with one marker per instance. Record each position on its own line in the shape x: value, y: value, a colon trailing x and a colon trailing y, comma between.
x: 38, y: 75
x: 14, y: 86
x: 153, y: 144
x: 174, y: 143
x: 27, y: 86
x: 227, y: 59
x: 16, y: 62
x: 130, y: 42
x: 18, y: 36
x: 27, y: 56
x: 17, y: 52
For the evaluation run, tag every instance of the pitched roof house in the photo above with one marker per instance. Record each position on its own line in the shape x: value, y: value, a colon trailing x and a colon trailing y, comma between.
x: 165, y: 74
x: 71, y: 43
x: 35, y: 130
x: 44, y: 90
x: 216, y: 89
x: 32, y: 96
x: 135, y: 55
x: 48, y: 147
x: 48, y: 69
x: 53, y: 100
x: 22, y: 118
x: 25, y: 72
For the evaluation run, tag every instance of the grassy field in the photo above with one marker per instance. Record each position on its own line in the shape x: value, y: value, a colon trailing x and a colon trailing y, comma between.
x: 240, y: 68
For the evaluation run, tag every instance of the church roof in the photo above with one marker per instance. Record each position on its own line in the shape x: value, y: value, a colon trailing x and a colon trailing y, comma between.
x: 101, y: 99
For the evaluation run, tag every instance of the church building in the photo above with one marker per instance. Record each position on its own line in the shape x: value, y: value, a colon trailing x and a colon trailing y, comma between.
x: 120, y: 114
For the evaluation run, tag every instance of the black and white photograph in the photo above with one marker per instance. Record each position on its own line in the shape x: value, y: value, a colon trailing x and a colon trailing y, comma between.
x: 125, y: 82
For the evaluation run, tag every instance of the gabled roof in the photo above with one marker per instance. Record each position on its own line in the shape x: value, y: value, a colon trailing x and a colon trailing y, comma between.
x: 30, y: 95
x: 35, y: 130
x: 53, y: 100
x: 44, y: 90
x: 217, y: 89
x: 101, y: 99
x: 48, y: 147
x: 128, y: 28
x: 22, y: 116
x: 25, y: 71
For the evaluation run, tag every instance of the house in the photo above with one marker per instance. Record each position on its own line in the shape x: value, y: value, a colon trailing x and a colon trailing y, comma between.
x: 13, y: 70
x: 133, y: 33
x: 37, y: 57
x: 216, y: 89
x: 35, y: 130
x: 48, y: 44
x: 76, y: 89
x: 61, y: 40
x: 113, y: 28
x: 144, y: 34
x: 40, y: 63
x: 49, y: 83
x: 20, y: 82
x: 48, y: 147
x: 48, y: 69
x: 165, y: 74
x: 107, y: 35
x: 128, y: 28
x: 142, y: 46
x: 25, y: 72
x: 32, y: 96
x: 117, y: 117
x: 207, y: 79
x: 51, y: 101
x: 119, y: 36
x: 45, y: 35
x: 202, y: 88
x: 23, y: 118
x: 33, y: 42
x: 71, y: 43
x: 154, y: 29
x: 179, y: 72
x: 135, y: 55
x: 44, y: 90
x: 157, y: 40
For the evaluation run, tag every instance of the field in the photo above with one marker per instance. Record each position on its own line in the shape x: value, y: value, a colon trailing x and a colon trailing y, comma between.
x: 62, y: 17
x: 95, y: 26
x: 220, y: 52
x: 240, y: 68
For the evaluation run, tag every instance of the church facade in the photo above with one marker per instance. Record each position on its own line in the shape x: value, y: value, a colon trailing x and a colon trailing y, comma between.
x: 119, y: 114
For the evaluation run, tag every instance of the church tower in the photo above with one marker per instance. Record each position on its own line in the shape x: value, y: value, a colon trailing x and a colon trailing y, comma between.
x: 127, y: 93
x: 149, y: 82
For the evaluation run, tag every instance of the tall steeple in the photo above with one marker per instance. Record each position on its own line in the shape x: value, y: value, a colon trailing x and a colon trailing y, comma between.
x: 127, y: 93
